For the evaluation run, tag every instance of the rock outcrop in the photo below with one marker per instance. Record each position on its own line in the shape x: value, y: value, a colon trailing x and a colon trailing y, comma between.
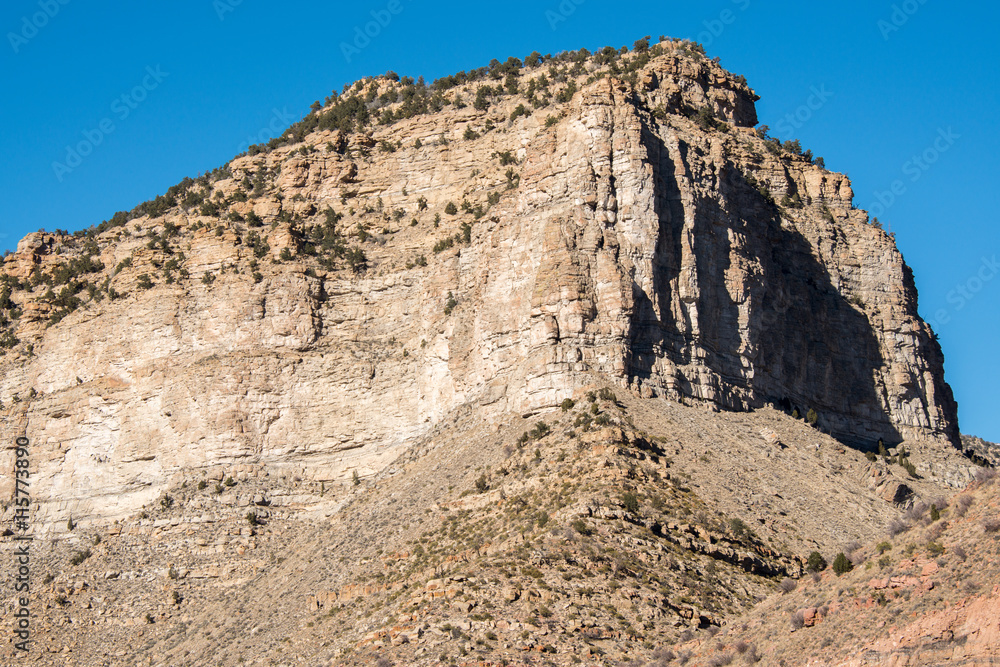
x: 316, y: 306
x: 981, y: 449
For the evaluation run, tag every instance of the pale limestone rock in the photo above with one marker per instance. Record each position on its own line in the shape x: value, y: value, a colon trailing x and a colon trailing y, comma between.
x: 633, y: 246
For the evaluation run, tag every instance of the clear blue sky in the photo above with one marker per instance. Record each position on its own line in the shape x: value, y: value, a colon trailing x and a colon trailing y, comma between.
x: 227, y: 70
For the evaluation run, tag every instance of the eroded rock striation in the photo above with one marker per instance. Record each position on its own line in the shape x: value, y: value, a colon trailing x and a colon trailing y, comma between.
x: 320, y: 303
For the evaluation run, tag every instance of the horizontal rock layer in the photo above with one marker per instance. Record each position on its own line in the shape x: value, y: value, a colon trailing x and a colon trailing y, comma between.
x: 632, y: 243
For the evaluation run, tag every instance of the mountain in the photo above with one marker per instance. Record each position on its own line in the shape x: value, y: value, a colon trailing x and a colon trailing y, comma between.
x: 552, y: 355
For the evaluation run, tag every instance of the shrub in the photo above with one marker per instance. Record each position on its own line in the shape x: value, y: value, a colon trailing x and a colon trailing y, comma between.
x: 356, y: 259
x: 606, y: 394
x: 451, y: 209
x: 739, y: 527
x: 8, y: 339
x: 260, y: 246
x: 567, y: 404
x: 935, y: 548
x: 581, y: 527
x: 991, y: 525
x: 145, y: 282
x: 551, y: 120
x: 882, y: 547
x: 788, y: 585
x: 705, y: 117
x: 816, y: 562
x: 286, y: 254
x: 916, y: 513
x: 506, y: 158
x: 252, y: 518
x: 631, y: 502
x: 518, y: 112
x: 483, y: 95
x: 540, y: 431
x: 985, y: 475
x: 450, y: 304
x: 567, y: 93
x: 812, y: 417
x: 897, y: 527
x: 935, y: 512
x: 80, y: 556
x: 842, y: 564
x: 355, y: 480
x: 798, y: 620
x: 482, y: 485
x: 470, y: 134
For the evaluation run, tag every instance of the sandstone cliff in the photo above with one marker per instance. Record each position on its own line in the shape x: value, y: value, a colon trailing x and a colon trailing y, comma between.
x: 318, y: 304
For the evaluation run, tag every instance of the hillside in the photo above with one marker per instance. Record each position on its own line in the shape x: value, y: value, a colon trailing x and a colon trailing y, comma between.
x: 614, y: 541
x: 557, y: 358
x: 924, y: 594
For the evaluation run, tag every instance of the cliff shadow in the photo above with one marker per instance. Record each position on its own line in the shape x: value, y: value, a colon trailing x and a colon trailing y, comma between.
x: 799, y: 344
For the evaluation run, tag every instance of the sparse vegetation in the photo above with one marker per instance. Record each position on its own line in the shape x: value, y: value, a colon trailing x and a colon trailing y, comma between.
x: 593, y: 539
x: 842, y: 564
x: 816, y: 562
x: 80, y: 556
x: 450, y: 304
x: 630, y: 502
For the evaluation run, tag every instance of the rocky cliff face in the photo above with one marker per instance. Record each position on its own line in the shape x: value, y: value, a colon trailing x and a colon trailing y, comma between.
x: 316, y: 306
x: 980, y: 449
